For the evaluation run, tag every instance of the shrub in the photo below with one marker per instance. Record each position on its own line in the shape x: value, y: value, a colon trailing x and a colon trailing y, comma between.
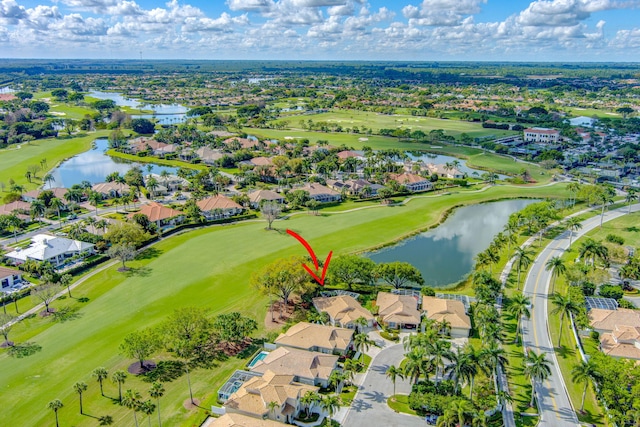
x: 623, y: 303
x: 588, y: 289
x: 611, y: 291
x: 428, y: 291
x: 614, y: 238
x: 391, y: 336
x: 595, y: 335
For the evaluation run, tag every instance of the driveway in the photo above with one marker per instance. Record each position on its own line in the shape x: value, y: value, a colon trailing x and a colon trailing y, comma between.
x: 369, y: 408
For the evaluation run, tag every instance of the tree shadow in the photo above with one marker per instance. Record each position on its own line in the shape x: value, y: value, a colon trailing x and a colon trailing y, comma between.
x: 84, y: 299
x: 24, y: 349
x: 376, y: 396
x: 565, y: 351
x: 138, y: 272
x: 66, y: 314
x: 165, y: 371
x: 149, y: 253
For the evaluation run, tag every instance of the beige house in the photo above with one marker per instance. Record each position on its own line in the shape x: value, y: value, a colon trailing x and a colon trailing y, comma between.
x: 239, y: 420
x: 414, y: 183
x: 112, y: 189
x: 343, y: 310
x: 253, y: 398
x: 257, y: 196
x: 58, y: 192
x: 398, y: 311
x: 217, y: 207
x: 313, y: 337
x: 308, y: 367
x: 161, y: 215
x: 619, y: 331
x: 450, y: 311
x: 9, y: 278
x: 321, y: 193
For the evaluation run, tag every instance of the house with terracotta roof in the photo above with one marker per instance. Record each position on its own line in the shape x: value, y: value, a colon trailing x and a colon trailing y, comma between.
x: 58, y: 192
x: 54, y: 249
x: 241, y: 143
x: 619, y: 331
x: 347, y: 154
x: 450, y: 311
x: 307, y: 367
x: 256, y: 197
x: 398, y: 311
x: 19, y: 208
x: 343, y: 310
x: 320, y: 193
x: 162, y: 216
x: 208, y: 156
x: 143, y: 143
x: 239, y: 420
x: 109, y: 190
x: 217, y: 207
x: 314, y: 337
x: 414, y: 183
x: 9, y: 277
x: 254, y: 397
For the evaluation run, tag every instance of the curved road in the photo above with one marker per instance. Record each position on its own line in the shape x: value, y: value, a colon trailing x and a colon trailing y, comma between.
x: 553, y: 401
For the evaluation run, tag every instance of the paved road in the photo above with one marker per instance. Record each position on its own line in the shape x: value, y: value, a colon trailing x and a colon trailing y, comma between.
x: 369, y: 408
x: 553, y: 402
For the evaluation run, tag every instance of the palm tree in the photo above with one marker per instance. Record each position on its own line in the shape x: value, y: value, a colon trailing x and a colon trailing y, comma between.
x: 65, y: 280
x: 462, y: 367
x: 119, y: 377
x: 308, y: 400
x: 630, y: 197
x: 439, y: 350
x: 417, y: 365
x: 492, y: 357
x: 565, y: 306
x: 536, y: 368
x: 591, y: 249
x: 157, y: 391
x: 606, y: 198
x: 55, y: 405
x: 361, y: 343
x: 80, y: 388
x: 519, y: 308
x: 393, y: 374
x: 583, y: 373
x: 331, y: 404
x: 272, y: 406
x: 152, y: 184
x: 37, y: 209
x: 100, y: 374
x: 94, y: 199
x: 57, y: 204
x: 522, y: 260
x: 132, y: 400
x: 557, y: 268
x: 573, y: 188
x: 148, y: 407
x: 361, y: 323
x: 462, y: 408
x: 573, y: 224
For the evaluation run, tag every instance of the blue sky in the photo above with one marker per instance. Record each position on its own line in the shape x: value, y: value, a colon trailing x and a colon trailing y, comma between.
x: 427, y: 30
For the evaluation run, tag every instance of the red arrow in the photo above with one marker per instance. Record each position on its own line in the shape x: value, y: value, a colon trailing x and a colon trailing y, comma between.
x: 307, y: 246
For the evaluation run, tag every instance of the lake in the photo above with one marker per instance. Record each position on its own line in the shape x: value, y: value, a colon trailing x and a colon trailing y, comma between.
x: 94, y: 165
x: 164, y: 113
x: 445, y: 255
x: 440, y: 159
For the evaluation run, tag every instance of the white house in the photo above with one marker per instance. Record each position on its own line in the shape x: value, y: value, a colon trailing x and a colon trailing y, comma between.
x: 56, y: 250
x: 9, y: 277
x: 541, y: 135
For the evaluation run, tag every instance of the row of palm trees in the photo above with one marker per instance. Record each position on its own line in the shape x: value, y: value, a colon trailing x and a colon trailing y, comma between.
x: 130, y: 399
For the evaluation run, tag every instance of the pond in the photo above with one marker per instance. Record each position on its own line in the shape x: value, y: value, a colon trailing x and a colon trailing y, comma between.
x: 440, y: 159
x: 94, y: 165
x: 445, y: 255
x: 164, y: 113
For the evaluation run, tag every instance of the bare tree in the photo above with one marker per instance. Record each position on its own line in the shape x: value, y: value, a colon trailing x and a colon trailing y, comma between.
x: 122, y: 251
x: 270, y: 211
x: 45, y: 294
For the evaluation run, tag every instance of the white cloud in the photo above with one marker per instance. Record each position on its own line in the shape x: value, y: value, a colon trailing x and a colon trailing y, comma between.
x: 441, y: 12
x: 250, y: 5
x: 11, y: 12
x: 224, y: 23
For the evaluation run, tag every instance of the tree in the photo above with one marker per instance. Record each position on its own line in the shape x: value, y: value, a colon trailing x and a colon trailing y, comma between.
x: 606, y: 198
x: 583, y: 373
x: 519, y: 308
x: 573, y: 224
x: 100, y: 374
x: 38, y: 209
x: 351, y: 269
x: 132, y: 400
x: 565, y: 306
x: 462, y: 366
x: 65, y: 280
x: 80, y: 388
x: 157, y: 391
x: 393, y: 374
x: 282, y: 278
x: 57, y: 204
x: 330, y: 404
x: 122, y: 251
x: 5, y: 327
x: 270, y: 212
x: 119, y: 377
x: 140, y: 345
x: 362, y: 342
x: 557, y: 268
x: 148, y: 407
x: 233, y: 327
x: 55, y: 406
x: 142, y: 126
x: 94, y: 199
x: 492, y: 357
x: 591, y: 249
x: 522, y: 260
x: 630, y: 197
x: 46, y: 294
x: 536, y: 368
x: 126, y: 232
x: 152, y: 184
x: 309, y: 399
x: 398, y: 273
x: 462, y: 408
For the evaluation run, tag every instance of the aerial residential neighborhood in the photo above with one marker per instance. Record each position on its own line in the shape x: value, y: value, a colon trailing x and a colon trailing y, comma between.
x: 320, y: 213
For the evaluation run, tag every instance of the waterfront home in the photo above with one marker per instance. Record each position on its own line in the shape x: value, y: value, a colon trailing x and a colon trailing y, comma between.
x: 398, y: 311
x: 343, y: 310
x: 54, y: 249
x: 308, y: 367
x: 448, y: 311
x: 314, y: 337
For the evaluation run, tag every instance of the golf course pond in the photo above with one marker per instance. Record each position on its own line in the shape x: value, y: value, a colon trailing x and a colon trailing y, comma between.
x: 446, y: 254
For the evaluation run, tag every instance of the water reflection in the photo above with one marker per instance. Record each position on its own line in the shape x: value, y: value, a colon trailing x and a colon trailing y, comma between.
x: 94, y: 165
x: 446, y: 254
x: 440, y: 159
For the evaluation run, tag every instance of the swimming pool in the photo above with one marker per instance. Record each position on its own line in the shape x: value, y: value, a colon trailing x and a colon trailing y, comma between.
x: 260, y: 356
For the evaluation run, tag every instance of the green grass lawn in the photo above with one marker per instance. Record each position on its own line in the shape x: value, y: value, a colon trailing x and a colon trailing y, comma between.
x: 14, y: 161
x: 400, y: 403
x: 208, y: 268
x: 592, y: 112
x: 156, y: 160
